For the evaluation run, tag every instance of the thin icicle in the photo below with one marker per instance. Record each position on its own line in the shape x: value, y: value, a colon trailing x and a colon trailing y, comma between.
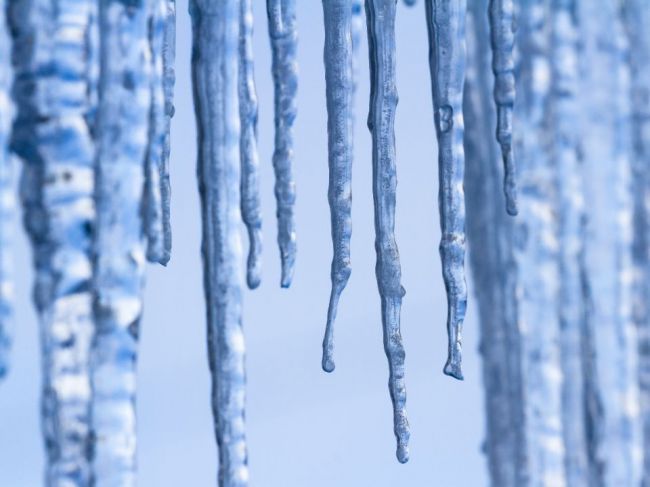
x: 119, y: 247
x: 339, y: 86
x: 250, y: 197
x: 153, y: 204
x: 502, y: 37
x: 446, y: 26
x: 284, y: 42
x: 380, y: 18
x: 7, y: 203
x: 54, y: 55
x: 169, y: 79
x: 564, y: 111
x: 214, y: 72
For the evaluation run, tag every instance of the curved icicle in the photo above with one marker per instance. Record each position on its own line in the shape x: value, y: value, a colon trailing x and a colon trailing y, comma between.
x: 502, y: 38
x: 250, y: 196
x: 153, y: 203
x: 284, y: 42
x: 169, y: 79
x: 7, y: 203
x: 380, y: 18
x: 55, y: 69
x: 446, y: 26
x: 122, y: 135
x: 339, y: 86
x: 214, y: 74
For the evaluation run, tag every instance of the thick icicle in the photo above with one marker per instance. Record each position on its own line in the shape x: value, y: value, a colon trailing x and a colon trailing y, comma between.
x: 564, y: 112
x: 502, y: 37
x: 284, y: 42
x: 446, y: 26
x: 607, y: 145
x: 54, y: 55
x: 119, y: 247
x: 214, y: 73
x: 7, y: 202
x: 339, y: 86
x: 169, y: 79
x: 637, y: 18
x: 250, y: 197
x: 380, y: 18
x: 153, y: 204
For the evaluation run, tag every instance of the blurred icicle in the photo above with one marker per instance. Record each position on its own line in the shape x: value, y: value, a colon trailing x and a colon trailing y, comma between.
x: 55, y: 60
x: 250, y: 195
x: 380, y: 18
x: 169, y: 79
x: 607, y: 144
x: 339, y: 90
x: 284, y: 43
x: 215, y: 27
x: 119, y: 247
x: 446, y: 26
x: 7, y: 203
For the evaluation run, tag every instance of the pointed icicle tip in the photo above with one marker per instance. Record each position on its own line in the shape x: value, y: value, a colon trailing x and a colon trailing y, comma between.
x: 453, y: 370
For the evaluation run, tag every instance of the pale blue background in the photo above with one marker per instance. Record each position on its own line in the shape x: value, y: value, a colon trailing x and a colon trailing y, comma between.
x: 305, y: 428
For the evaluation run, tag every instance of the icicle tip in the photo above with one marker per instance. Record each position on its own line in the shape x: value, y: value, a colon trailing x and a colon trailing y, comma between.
x: 453, y: 369
x: 402, y: 453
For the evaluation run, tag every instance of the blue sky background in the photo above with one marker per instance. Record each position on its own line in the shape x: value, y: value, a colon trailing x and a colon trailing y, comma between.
x: 305, y: 427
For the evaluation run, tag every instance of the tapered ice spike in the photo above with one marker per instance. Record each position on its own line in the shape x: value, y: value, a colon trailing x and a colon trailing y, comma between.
x: 169, y: 79
x: 339, y: 91
x: 250, y: 197
x: 380, y: 18
x: 502, y: 37
x: 284, y: 43
x: 215, y: 27
x: 446, y: 26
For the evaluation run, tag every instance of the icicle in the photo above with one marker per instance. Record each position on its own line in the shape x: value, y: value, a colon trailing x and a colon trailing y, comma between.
x: 119, y: 249
x: 339, y: 85
x: 605, y: 112
x: 169, y: 79
x: 214, y: 72
x: 6, y: 200
x: 564, y: 112
x: 250, y: 198
x: 380, y: 17
x: 446, y: 26
x: 502, y: 36
x: 153, y: 204
x: 54, y: 55
x: 284, y: 40
x: 490, y: 233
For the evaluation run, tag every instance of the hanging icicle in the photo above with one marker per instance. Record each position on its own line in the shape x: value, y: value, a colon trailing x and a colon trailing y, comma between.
x: 250, y: 197
x: 446, y: 26
x: 7, y: 203
x: 339, y: 91
x: 54, y: 54
x: 380, y: 17
x: 169, y: 79
x: 214, y: 73
x: 123, y: 127
x: 284, y: 41
x: 502, y: 38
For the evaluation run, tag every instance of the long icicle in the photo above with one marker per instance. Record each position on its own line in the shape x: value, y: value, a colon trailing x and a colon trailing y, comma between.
x: 446, y: 26
x: 54, y: 54
x: 250, y: 197
x: 119, y: 247
x: 502, y: 37
x: 169, y: 79
x: 380, y: 18
x: 339, y: 86
x: 284, y: 41
x: 7, y: 203
x: 214, y: 74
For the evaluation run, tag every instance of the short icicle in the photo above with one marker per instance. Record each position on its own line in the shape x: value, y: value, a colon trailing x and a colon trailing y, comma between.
x: 284, y: 42
x: 169, y: 79
x: 215, y: 27
x: 339, y: 86
x: 250, y: 196
x: 446, y: 26
x: 502, y: 37
x: 7, y: 203
x: 119, y: 245
x: 380, y: 17
x: 55, y: 69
